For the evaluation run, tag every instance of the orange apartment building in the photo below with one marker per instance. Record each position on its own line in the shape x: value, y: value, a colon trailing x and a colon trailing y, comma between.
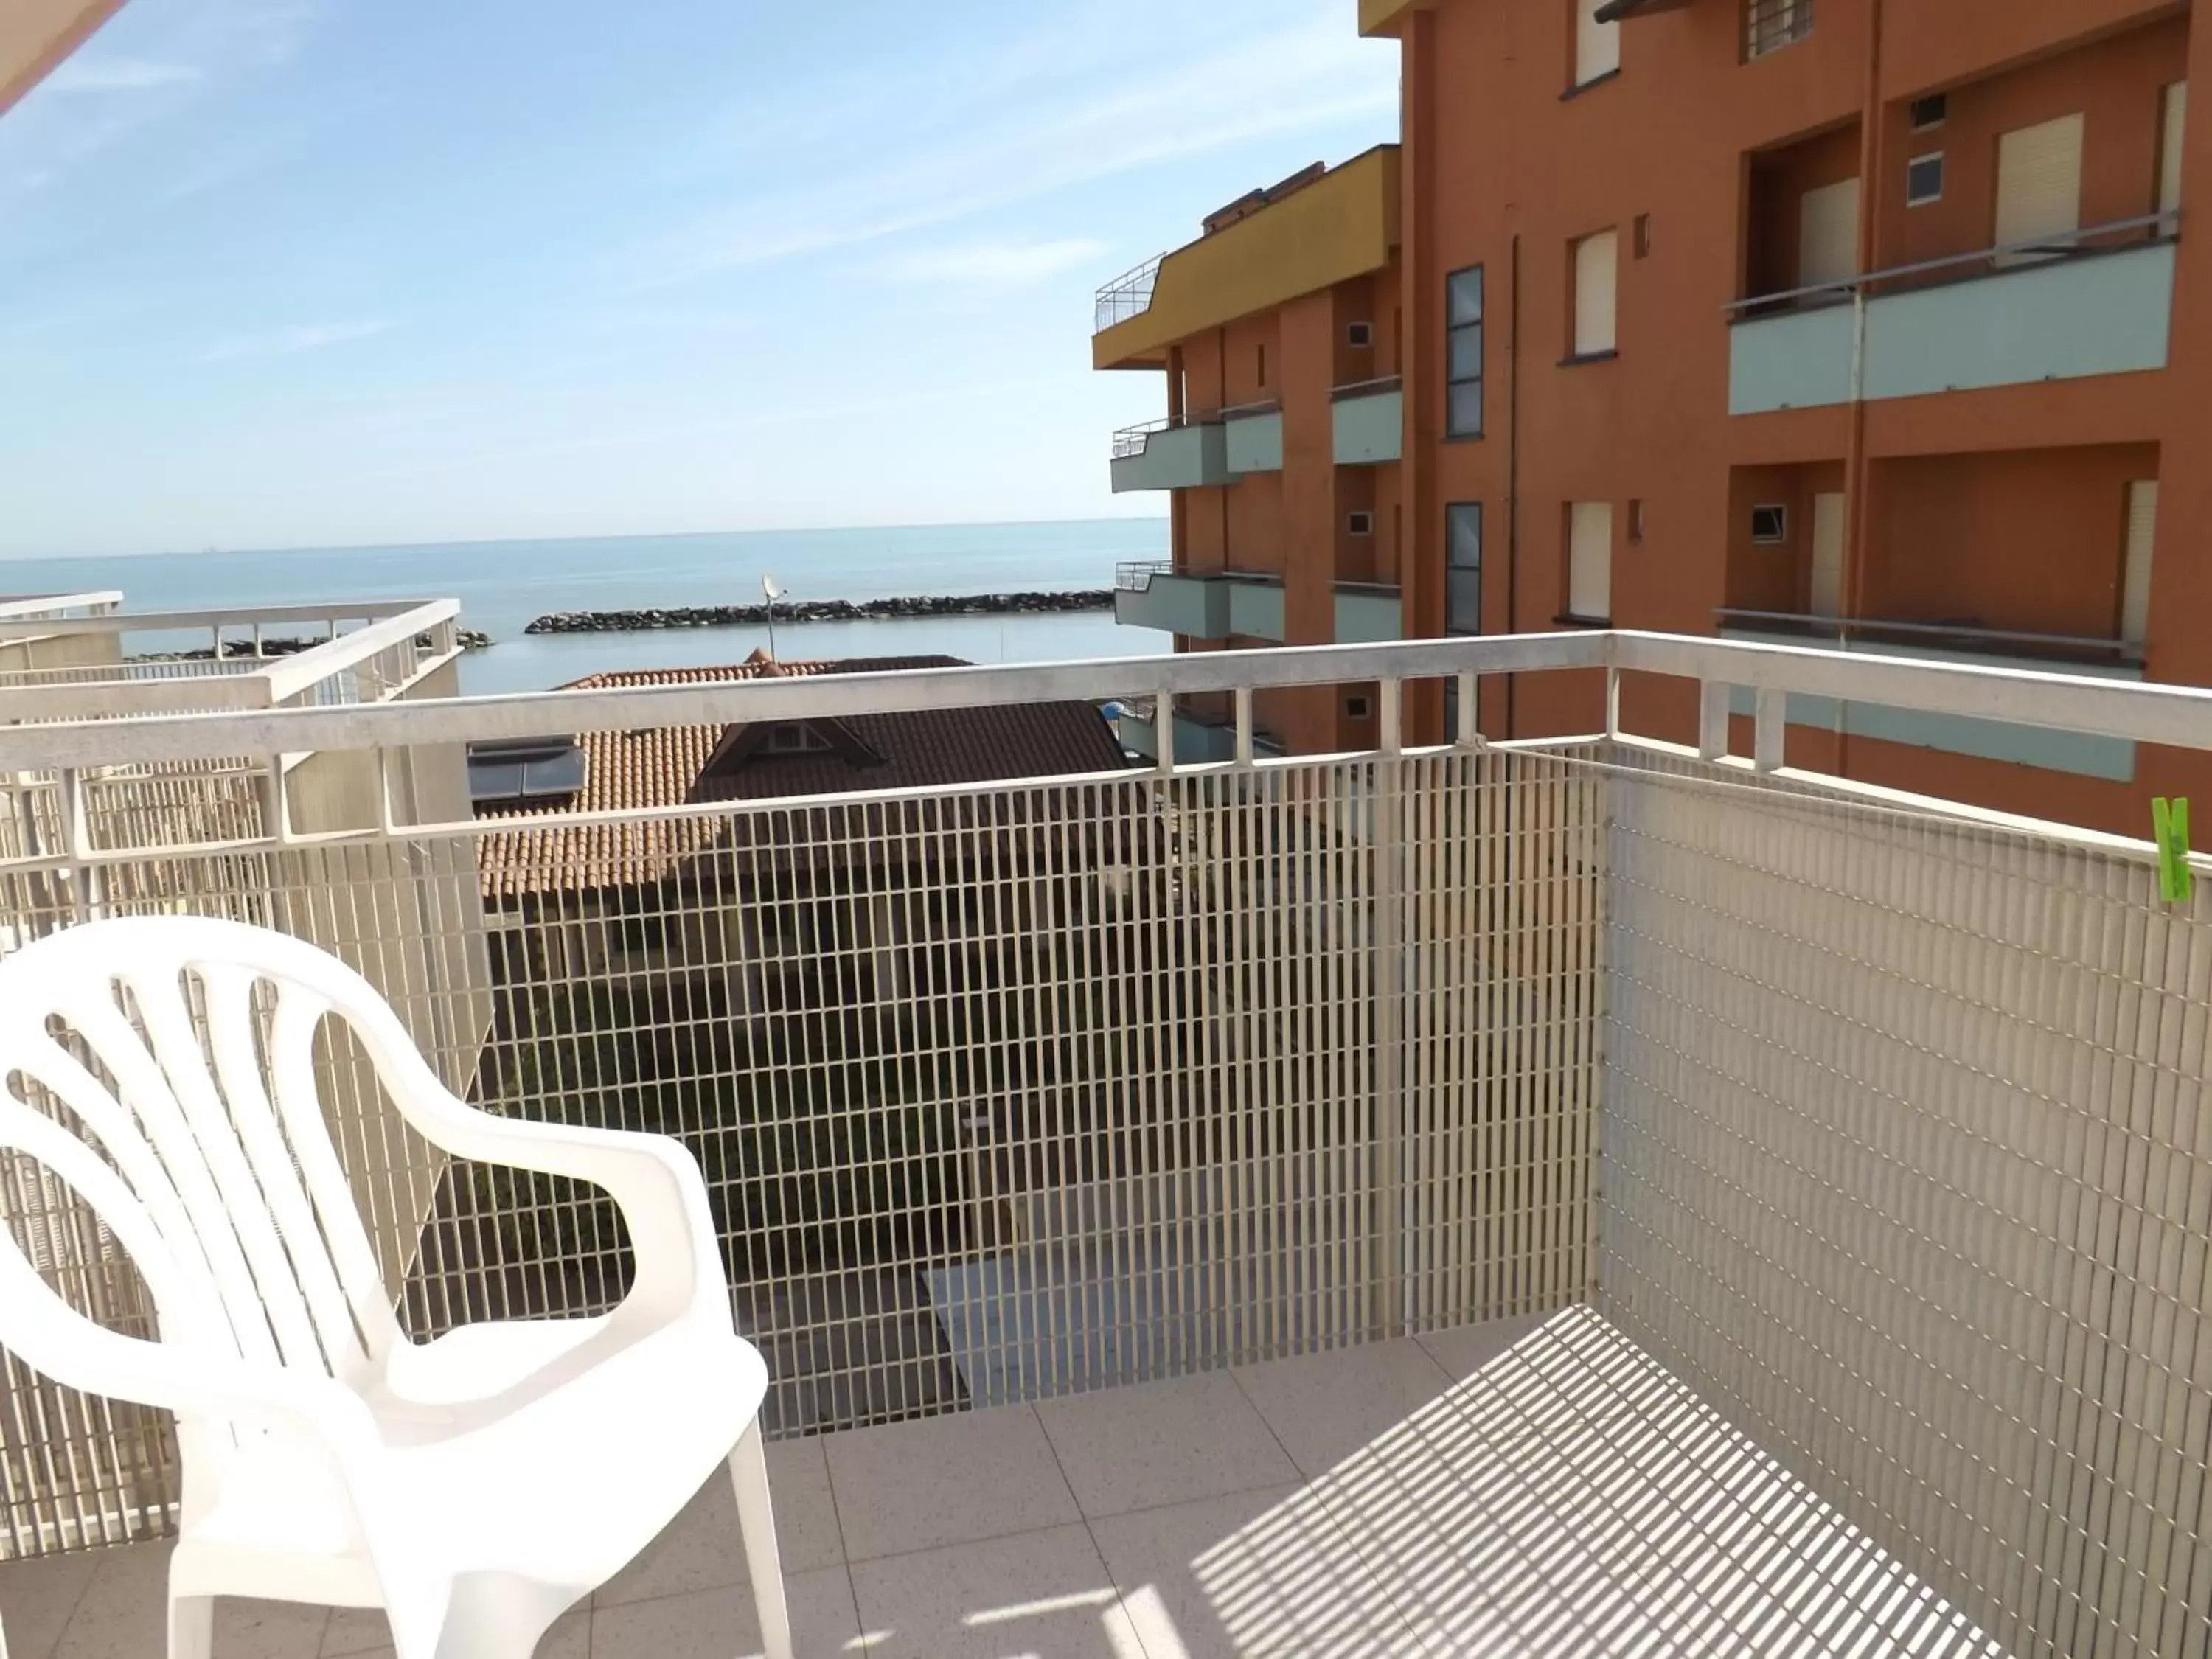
x: 1859, y: 323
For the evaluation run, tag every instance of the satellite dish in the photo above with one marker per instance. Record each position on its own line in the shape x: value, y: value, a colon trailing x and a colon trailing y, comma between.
x: 771, y: 589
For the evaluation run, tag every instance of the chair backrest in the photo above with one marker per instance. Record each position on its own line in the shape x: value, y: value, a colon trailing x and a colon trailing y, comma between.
x: 183, y: 1051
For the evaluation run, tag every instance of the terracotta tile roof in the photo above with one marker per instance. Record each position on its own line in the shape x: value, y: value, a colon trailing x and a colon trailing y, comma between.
x: 664, y: 768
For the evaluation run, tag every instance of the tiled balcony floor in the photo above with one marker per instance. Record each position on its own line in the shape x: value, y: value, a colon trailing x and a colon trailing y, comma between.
x: 1525, y: 1487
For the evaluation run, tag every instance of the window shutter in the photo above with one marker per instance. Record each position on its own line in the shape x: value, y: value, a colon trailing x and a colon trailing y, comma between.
x: 1597, y: 260
x: 1827, y: 588
x: 2134, y: 581
x: 2039, y: 184
x: 1589, y: 560
x: 1828, y: 233
x: 1597, y: 45
x: 2169, y: 152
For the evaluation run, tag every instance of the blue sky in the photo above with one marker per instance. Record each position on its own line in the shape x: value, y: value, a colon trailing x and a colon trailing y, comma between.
x: 303, y: 272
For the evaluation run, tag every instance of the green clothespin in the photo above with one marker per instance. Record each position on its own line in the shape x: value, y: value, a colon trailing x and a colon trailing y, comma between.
x: 2169, y: 823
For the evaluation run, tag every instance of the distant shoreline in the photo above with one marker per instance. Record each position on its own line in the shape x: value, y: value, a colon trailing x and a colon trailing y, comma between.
x: 579, y: 538
x: 912, y: 607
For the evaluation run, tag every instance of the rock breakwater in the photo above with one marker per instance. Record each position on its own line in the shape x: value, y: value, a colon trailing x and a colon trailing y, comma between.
x: 913, y: 607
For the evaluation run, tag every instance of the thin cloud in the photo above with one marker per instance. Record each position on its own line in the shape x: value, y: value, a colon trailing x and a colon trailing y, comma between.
x: 1053, y: 123
x: 996, y: 264
x: 291, y: 342
x: 120, y: 75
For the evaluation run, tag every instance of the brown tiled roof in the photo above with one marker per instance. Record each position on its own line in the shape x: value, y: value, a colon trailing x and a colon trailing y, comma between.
x: 661, y: 768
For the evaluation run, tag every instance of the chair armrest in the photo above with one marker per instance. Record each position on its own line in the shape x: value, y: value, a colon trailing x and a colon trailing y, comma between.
x: 655, y: 1182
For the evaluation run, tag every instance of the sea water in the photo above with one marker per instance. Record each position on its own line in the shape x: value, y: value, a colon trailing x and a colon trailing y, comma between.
x: 503, y: 586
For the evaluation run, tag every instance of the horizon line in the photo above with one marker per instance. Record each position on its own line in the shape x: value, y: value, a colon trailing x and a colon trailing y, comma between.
x: 595, y: 536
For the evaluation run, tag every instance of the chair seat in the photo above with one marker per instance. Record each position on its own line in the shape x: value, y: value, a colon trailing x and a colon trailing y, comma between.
x: 467, y: 1421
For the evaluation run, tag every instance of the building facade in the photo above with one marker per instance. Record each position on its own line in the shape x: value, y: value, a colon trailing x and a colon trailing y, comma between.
x: 1279, y: 333
x: 1848, y: 323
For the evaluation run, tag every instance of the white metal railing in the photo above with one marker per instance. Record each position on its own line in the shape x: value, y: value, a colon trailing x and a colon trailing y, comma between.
x: 40, y: 607
x: 131, y: 668
x: 1129, y: 295
x: 1876, y: 1119
x: 396, y: 644
x: 2177, y: 715
x: 2085, y: 243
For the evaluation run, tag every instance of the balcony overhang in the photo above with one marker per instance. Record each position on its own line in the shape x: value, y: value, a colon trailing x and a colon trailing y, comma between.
x: 1343, y: 225
x: 36, y: 35
x: 1388, y: 16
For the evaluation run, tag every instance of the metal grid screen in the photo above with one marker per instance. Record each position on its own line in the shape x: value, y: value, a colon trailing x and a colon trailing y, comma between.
x: 1907, y: 1170
x: 1000, y: 1093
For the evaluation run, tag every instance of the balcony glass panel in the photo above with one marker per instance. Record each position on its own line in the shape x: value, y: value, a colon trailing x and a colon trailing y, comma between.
x: 1369, y: 426
x: 2105, y: 313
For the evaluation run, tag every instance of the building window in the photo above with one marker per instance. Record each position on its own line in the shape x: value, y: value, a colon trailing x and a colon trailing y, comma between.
x: 1359, y: 524
x: 1360, y: 336
x: 2039, y: 190
x: 1923, y: 179
x: 793, y: 737
x: 1636, y: 521
x: 1770, y: 525
x: 1828, y: 236
x: 1597, y: 45
x: 1262, y: 351
x: 2135, y: 562
x: 1589, y: 560
x: 1463, y: 568
x: 2174, y: 122
x: 1463, y: 349
x: 1596, y: 268
x: 1358, y: 709
x: 1771, y: 25
x: 1642, y: 235
x: 1930, y: 112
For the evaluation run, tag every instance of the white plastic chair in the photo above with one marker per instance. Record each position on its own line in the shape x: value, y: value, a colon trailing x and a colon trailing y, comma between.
x: 475, y: 1486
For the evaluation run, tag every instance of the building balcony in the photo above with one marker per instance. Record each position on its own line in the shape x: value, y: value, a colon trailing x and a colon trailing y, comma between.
x: 1224, y: 604
x: 2086, y: 307
x: 1369, y: 421
x: 1255, y: 438
x: 2085, y: 754
x: 1591, y: 1195
x: 1217, y: 446
x: 1171, y: 455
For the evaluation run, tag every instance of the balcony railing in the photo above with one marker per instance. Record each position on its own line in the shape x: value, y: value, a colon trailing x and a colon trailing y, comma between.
x: 1135, y: 575
x: 1131, y: 439
x: 2090, y: 240
x: 116, y: 663
x: 1866, y: 1128
x: 1367, y: 419
x: 2098, y: 301
x: 34, y: 607
x: 1959, y: 636
x: 1129, y: 295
